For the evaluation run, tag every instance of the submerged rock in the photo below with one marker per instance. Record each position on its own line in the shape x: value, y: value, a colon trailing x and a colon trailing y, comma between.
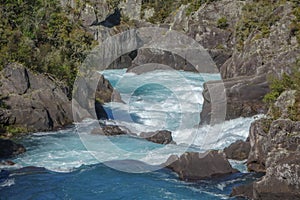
x: 238, y: 150
x: 193, y: 166
x: 160, y: 137
x: 9, y: 149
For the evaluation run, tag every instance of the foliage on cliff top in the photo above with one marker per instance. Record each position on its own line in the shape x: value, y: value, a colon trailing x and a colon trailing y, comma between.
x: 40, y: 35
x: 260, y: 15
x: 163, y: 9
x: 257, y: 16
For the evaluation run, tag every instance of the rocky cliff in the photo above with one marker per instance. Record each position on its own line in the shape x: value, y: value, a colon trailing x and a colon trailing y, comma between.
x: 263, y: 46
x: 248, y: 41
x: 275, y: 151
x: 32, y: 102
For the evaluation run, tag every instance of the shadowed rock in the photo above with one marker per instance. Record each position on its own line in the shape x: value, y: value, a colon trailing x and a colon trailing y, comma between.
x: 110, y: 21
x: 9, y: 149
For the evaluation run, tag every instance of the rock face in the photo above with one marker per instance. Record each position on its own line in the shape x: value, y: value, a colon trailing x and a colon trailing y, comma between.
x: 9, y: 149
x: 32, y: 102
x: 169, y: 59
x: 242, y: 98
x: 275, y: 150
x: 105, y: 92
x: 264, y: 132
x: 90, y: 93
x: 238, y: 150
x: 243, y: 191
x: 196, y: 166
x: 160, y: 137
x: 274, y: 53
x: 244, y: 73
x: 109, y: 130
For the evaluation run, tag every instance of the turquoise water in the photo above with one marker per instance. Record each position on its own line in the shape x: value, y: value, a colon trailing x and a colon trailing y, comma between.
x: 76, y: 162
x: 101, y: 182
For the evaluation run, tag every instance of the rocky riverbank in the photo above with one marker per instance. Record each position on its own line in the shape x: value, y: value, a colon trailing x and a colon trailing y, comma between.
x: 275, y: 151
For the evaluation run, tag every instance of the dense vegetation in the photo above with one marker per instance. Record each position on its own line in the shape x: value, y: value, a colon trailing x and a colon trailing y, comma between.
x: 260, y: 15
x: 42, y: 36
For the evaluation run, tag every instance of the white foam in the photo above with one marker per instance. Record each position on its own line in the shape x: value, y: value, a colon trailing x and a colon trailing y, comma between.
x: 7, y: 183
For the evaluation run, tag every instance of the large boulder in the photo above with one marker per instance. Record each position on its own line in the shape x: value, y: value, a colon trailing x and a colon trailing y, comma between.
x: 260, y: 142
x: 32, y: 102
x: 160, y: 137
x: 238, y: 150
x: 196, y: 166
x: 9, y: 149
x: 242, y: 98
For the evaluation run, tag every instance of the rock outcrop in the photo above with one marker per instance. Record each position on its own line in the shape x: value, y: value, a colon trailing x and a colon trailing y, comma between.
x: 238, y: 150
x: 9, y: 149
x: 159, y: 137
x: 242, y: 98
x: 193, y: 166
x: 32, y: 102
x: 105, y: 92
x: 275, y: 150
x: 253, y: 59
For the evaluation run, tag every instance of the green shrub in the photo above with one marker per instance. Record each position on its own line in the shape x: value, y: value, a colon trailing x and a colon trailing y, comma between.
x: 222, y: 23
x: 257, y: 16
x: 279, y: 85
x: 163, y: 9
x: 40, y: 35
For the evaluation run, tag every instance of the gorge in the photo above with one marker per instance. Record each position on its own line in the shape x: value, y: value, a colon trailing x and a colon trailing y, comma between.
x: 246, y: 44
